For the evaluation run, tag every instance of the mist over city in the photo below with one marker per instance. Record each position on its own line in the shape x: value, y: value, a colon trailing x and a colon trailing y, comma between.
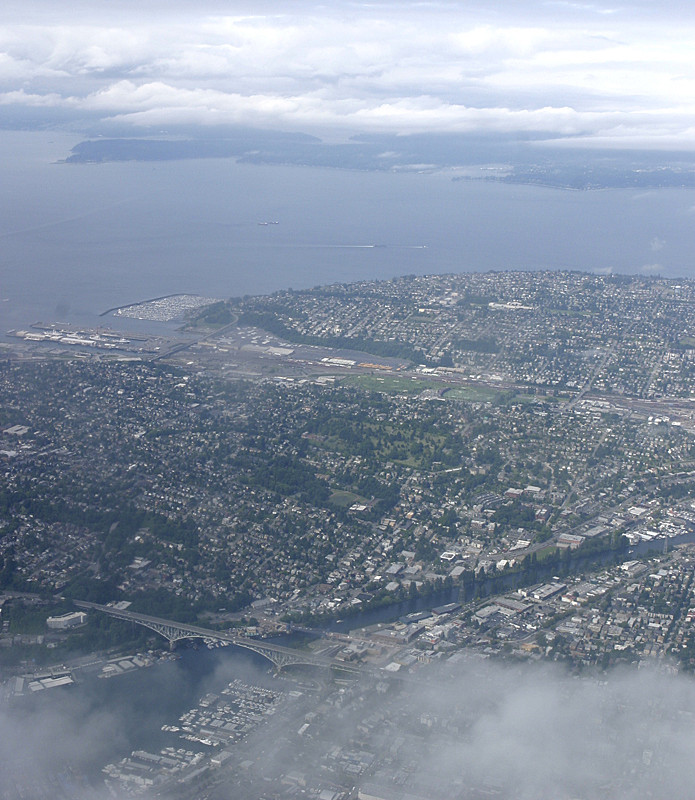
x: 481, y: 730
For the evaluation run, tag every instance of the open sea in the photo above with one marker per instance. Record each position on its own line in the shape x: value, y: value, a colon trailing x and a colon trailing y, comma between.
x: 76, y: 239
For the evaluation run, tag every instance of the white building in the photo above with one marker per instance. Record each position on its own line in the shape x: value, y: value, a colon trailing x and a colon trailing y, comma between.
x: 66, y: 621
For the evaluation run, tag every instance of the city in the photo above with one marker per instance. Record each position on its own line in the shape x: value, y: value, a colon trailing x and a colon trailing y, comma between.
x: 406, y: 475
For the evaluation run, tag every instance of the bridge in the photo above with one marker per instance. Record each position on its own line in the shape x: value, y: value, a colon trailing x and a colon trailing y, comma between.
x: 279, y: 655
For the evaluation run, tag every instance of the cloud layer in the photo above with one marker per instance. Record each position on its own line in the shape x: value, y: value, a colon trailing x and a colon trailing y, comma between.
x: 613, y: 75
x: 528, y: 732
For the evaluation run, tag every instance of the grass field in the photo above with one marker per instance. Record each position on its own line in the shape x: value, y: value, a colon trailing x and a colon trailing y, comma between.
x: 390, y: 384
x: 473, y: 394
x: 546, y: 552
x: 345, y: 499
x: 403, y: 384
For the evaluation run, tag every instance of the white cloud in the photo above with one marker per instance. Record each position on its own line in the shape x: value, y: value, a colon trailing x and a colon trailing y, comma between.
x: 565, y: 69
x: 21, y: 97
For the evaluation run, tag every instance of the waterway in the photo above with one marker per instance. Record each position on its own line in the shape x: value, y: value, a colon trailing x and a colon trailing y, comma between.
x: 78, y: 239
x: 504, y: 582
x: 104, y: 720
x: 100, y: 721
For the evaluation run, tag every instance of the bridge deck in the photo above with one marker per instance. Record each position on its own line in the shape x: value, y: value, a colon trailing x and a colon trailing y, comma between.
x: 173, y: 631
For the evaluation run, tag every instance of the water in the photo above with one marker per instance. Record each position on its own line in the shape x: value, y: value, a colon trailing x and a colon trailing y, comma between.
x: 78, y: 239
x: 102, y: 721
x: 505, y: 582
x: 126, y: 712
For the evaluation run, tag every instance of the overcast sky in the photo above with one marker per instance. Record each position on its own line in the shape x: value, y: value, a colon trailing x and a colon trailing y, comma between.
x: 612, y: 73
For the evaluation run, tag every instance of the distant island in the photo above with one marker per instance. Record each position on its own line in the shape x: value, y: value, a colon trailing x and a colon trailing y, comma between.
x: 466, y: 159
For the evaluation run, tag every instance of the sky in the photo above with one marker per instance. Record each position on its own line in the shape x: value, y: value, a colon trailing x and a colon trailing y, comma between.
x: 598, y: 74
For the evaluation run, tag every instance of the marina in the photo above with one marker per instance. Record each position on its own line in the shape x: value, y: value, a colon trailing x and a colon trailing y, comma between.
x: 162, y: 309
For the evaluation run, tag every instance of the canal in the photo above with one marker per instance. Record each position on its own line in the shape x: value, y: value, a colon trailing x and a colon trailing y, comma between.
x: 104, y: 720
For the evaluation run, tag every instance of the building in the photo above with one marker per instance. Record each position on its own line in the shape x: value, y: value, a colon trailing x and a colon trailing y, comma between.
x: 66, y: 621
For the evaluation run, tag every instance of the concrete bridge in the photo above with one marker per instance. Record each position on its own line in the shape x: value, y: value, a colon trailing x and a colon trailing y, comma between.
x: 279, y: 655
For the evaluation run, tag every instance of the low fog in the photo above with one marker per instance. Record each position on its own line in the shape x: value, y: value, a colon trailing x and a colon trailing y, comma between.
x: 535, y: 732
x: 483, y: 729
